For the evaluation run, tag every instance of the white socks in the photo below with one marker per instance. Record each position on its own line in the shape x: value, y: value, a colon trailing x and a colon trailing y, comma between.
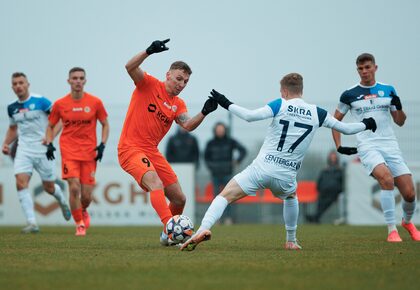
x: 408, y: 210
x: 290, y: 216
x: 388, y: 208
x: 27, y: 204
x: 213, y: 213
x: 58, y: 194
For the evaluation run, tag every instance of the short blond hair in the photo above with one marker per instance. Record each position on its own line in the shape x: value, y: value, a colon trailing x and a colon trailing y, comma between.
x: 182, y: 66
x: 293, y: 82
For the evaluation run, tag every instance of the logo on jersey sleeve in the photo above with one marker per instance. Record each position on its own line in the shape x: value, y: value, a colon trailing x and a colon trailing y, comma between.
x: 173, y: 108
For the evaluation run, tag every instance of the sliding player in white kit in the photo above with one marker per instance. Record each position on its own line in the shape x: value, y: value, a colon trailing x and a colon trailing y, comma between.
x: 28, y: 121
x: 280, y: 157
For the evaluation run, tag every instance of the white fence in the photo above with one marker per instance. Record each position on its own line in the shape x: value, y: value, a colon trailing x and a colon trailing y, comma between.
x: 363, y: 197
x: 118, y: 200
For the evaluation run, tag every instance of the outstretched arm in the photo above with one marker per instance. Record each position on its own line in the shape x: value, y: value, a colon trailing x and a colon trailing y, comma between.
x: 337, y: 135
x: 243, y: 113
x: 190, y: 124
x: 251, y: 115
x: 350, y: 128
x: 133, y: 65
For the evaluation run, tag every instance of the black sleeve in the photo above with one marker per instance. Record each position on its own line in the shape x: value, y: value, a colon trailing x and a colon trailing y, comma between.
x: 345, y: 98
x: 322, y: 114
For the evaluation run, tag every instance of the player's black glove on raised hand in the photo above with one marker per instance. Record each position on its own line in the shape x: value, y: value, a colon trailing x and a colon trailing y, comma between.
x: 50, y: 151
x: 221, y: 99
x: 395, y: 101
x: 347, y: 150
x: 157, y: 46
x: 370, y: 124
x: 100, y: 148
x: 209, y: 106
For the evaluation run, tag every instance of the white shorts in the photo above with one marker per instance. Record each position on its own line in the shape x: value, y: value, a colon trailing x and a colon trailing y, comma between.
x: 251, y: 180
x: 391, y: 157
x: 26, y: 163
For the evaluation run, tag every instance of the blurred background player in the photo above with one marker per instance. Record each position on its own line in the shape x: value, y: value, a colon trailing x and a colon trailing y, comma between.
x: 330, y: 184
x: 153, y: 107
x: 79, y: 113
x: 183, y: 148
x: 288, y: 138
x: 28, y: 121
x: 220, y: 159
x: 379, y: 152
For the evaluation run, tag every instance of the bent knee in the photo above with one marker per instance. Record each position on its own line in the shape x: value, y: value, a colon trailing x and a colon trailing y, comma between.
x: 386, y: 181
x: 49, y: 188
x: 181, y: 199
x: 152, y: 182
x: 408, y: 194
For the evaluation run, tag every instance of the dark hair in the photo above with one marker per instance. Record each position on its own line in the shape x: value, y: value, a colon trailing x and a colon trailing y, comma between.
x: 365, y: 57
x: 18, y: 75
x: 182, y: 66
x: 292, y: 82
x: 219, y: 123
x: 75, y: 69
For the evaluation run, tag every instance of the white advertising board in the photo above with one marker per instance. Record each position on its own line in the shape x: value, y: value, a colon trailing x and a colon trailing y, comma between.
x: 118, y: 200
x: 363, y: 197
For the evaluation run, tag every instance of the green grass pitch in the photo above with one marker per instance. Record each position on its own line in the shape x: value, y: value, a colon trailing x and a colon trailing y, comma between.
x: 237, y: 257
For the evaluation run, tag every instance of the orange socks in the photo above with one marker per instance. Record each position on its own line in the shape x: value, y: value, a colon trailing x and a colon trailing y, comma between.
x: 77, y: 215
x: 158, y: 200
x: 175, y: 209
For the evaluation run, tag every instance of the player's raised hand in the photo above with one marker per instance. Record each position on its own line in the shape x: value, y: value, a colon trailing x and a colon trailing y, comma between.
x: 50, y: 151
x: 370, y: 124
x: 347, y: 150
x: 157, y: 46
x: 100, y: 148
x: 209, y: 106
x: 395, y: 101
x: 220, y: 99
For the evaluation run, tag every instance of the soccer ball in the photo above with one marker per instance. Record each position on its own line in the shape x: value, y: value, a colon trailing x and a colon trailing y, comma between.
x: 179, y: 229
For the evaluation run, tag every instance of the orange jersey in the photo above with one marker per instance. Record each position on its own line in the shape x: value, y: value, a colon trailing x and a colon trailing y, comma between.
x: 79, y: 117
x: 150, y: 115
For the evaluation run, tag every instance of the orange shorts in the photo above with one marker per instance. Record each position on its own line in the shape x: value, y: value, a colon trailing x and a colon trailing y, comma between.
x: 137, y: 163
x: 84, y: 170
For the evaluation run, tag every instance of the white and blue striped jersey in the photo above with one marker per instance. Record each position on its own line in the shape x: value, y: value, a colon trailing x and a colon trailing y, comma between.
x: 374, y: 101
x: 31, y: 118
x: 290, y: 133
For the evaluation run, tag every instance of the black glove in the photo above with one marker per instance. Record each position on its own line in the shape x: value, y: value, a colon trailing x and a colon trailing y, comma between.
x: 395, y: 101
x: 50, y: 151
x: 221, y: 99
x: 157, y: 46
x: 370, y: 124
x: 347, y: 150
x: 100, y: 148
x: 209, y: 106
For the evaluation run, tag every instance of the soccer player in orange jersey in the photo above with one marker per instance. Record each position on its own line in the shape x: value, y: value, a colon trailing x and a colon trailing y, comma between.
x: 153, y: 108
x: 79, y: 112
